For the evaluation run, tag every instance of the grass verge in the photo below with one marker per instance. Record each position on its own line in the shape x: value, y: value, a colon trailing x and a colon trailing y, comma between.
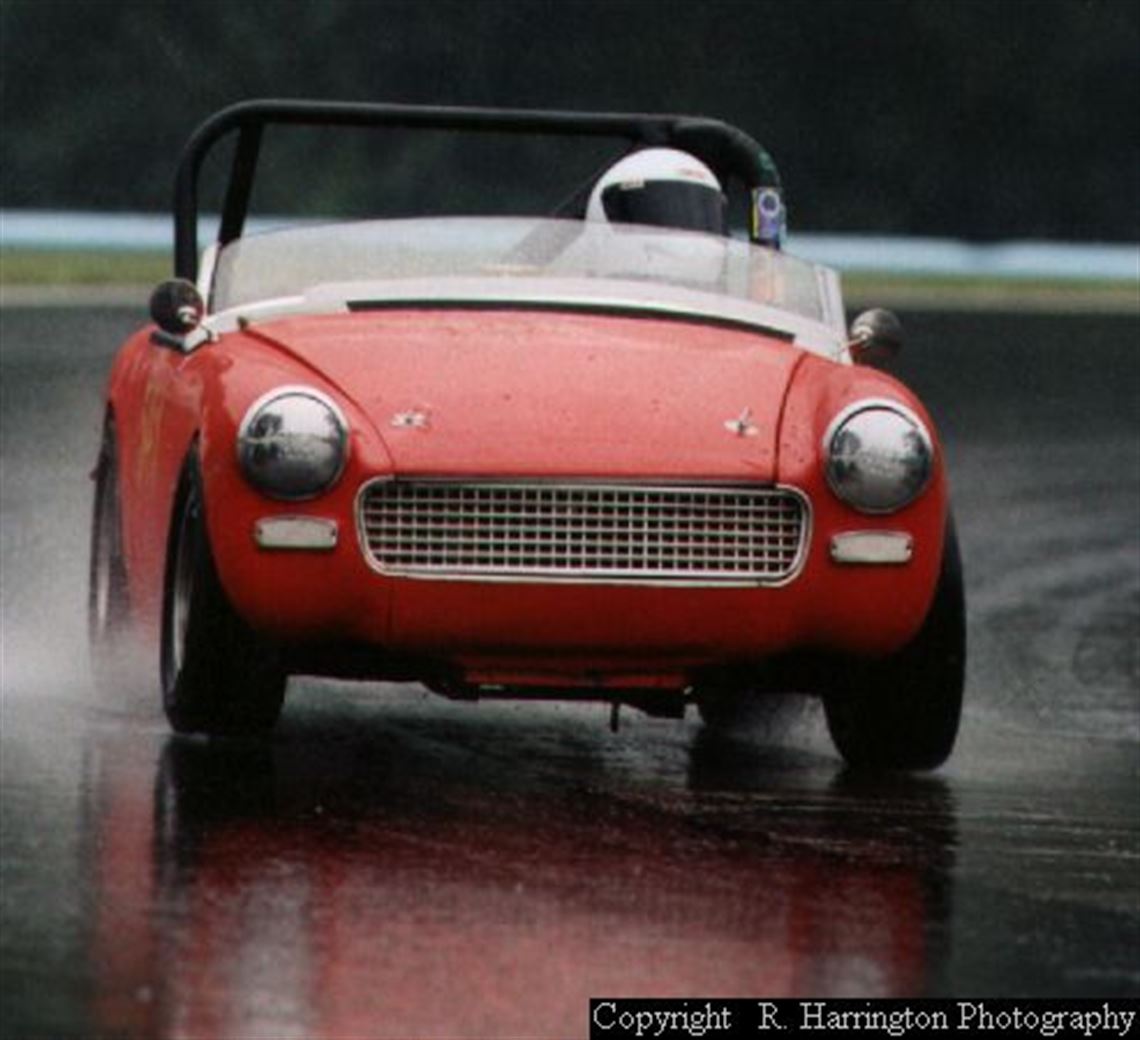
x: 82, y: 267
x: 62, y: 269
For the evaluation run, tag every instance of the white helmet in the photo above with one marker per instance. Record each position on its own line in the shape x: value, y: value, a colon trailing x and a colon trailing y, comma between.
x: 663, y: 187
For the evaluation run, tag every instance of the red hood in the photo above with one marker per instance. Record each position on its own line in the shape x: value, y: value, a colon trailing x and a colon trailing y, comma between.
x: 559, y: 394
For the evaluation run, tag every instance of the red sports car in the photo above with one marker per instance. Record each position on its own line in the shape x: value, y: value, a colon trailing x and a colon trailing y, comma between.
x: 622, y: 452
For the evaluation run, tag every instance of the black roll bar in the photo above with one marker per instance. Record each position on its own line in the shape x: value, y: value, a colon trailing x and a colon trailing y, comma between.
x: 729, y: 151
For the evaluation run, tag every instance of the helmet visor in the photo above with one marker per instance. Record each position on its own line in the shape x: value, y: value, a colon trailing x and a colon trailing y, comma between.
x: 676, y: 204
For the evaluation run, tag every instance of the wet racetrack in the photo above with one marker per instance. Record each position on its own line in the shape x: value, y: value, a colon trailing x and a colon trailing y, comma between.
x: 393, y: 864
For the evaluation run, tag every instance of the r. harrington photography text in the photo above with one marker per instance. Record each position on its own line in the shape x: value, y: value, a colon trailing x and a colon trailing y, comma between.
x: 617, y: 1019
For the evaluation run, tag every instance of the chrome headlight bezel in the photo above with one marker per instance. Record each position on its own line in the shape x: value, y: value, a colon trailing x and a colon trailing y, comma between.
x: 880, y: 498
x: 329, y: 457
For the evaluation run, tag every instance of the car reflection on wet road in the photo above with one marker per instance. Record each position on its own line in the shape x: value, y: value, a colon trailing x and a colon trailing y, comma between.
x: 387, y: 890
x: 392, y: 864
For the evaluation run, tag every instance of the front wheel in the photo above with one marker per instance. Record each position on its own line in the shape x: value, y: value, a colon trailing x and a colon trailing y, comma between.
x: 218, y: 676
x: 903, y: 712
x: 108, y: 613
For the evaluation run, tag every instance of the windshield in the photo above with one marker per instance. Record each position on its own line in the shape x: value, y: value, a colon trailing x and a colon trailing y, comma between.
x: 461, y: 258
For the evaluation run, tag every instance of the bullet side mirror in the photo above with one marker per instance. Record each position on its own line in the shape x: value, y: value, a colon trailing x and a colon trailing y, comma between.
x: 876, y: 337
x: 176, y: 307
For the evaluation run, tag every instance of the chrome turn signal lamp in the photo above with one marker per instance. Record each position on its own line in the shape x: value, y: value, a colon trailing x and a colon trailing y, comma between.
x: 878, y: 456
x: 293, y: 443
x: 296, y: 532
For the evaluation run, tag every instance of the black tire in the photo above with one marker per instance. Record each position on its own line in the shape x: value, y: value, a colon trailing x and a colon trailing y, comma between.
x: 218, y: 677
x: 902, y: 712
x: 727, y: 709
x: 108, y: 607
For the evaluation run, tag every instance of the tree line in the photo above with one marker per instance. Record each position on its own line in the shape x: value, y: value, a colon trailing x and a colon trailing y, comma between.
x: 979, y: 119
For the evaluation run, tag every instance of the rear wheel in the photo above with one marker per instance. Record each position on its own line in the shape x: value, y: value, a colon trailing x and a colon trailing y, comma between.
x: 902, y: 712
x: 108, y: 614
x: 218, y: 676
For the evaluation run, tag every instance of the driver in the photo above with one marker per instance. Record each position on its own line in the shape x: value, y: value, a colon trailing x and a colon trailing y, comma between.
x: 663, y: 187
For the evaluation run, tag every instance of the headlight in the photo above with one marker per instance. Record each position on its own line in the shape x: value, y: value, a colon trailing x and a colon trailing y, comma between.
x: 878, y: 456
x: 292, y: 443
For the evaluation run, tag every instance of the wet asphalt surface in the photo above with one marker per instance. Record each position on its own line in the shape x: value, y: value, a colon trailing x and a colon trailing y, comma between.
x: 393, y: 864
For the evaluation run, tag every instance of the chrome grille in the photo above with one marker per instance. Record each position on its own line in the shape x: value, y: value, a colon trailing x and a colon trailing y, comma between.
x: 583, y: 531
